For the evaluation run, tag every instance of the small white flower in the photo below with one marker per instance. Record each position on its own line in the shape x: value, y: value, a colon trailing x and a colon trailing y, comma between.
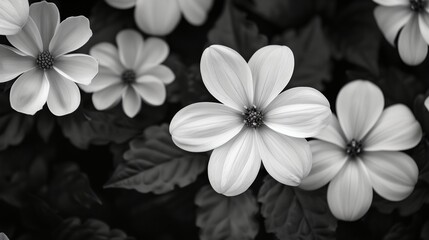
x: 160, y: 17
x: 13, y: 16
x: 359, y: 151
x: 412, y: 16
x: 254, y: 120
x: 131, y: 72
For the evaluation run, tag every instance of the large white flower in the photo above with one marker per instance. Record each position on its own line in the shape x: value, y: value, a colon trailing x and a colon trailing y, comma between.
x: 359, y: 151
x: 160, y: 17
x: 253, y: 121
x: 409, y: 18
x: 131, y: 72
x: 13, y: 16
x: 46, y: 73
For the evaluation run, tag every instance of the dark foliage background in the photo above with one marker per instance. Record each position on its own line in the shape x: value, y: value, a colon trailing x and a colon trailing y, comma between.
x: 99, y: 175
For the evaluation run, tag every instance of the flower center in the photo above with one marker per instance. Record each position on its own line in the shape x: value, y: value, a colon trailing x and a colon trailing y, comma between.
x: 418, y: 5
x: 45, y: 60
x: 253, y: 117
x: 354, y: 148
x: 128, y: 76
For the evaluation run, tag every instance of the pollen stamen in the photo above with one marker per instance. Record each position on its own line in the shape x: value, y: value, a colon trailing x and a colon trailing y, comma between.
x: 45, y: 60
x: 252, y: 117
x: 128, y: 76
x: 418, y: 5
x: 354, y: 148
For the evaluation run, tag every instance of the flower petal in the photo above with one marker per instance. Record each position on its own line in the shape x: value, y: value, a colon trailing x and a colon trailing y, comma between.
x: 131, y: 102
x: 102, y: 80
x: 234, y: 166
x: 392, y: 2
x: 328, y: 159
x: 204, y: 126
x: 391, y: 19
x: 79, y: 68
x: 157, y: 17
x: 47, y: 18
x: 13, y: 16
x: 151, y: 89
x: 108, y: 56
x: 195, y: 11
x: 29, y: 92
x: 427, y: 103
x: 122, y: 4
x: 350, y: 192
x: 72, y: 33
x: 424, y: 26
x: 12, y: 64
x: 287, y: 159
x: 155, y: 51
x: 108, y: 96
x: 359, y: 105
x: 64, y: 95
x: 393, y: 174
x: 411, y: 45
x: 333, y: 133
x: 28, y: 40
x: 130, y: 44
x: 298, y: 112
x: 227, y: 77
x: 396, y: 130
x: 162, y: 73
x: 272, y: 67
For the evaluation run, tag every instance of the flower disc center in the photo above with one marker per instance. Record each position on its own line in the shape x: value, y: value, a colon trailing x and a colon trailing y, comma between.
x: 354, y: 148
x: 128, y: 76
x: 418, y: 5
x: 45, y: 60
x: 253, y: 117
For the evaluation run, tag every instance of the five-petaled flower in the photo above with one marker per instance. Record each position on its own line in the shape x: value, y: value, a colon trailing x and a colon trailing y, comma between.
x: 160, y: 17
x: 13, y: 16
x: 254, y: 120
x: 46, y: 73
x: 359, y: 151
x: 412, y: 16
x: 133, y: 72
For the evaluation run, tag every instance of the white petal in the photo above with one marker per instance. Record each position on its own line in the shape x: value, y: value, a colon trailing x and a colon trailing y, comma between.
x: 79, y: 68
x: 393, y: 2
x: 29, y: 92
x: 393, y: 174
x: 13, y: 16
x: 47, y: 18
x: 155, y: 51
x: 424, y: 26
x: 396, y: 130
x: 71, y: 34
x: 195, y: 11
x: 234, y: 166
x: 286, y: 159
x: 204, y: 126
x: 28, y: 40
x: 157, y: 17
x: 227, y: 77
x: 151, y: 89
x: 333, y: 133
x: 272, y: 67
x: 102, y: 80
x: 411, y: 45
x: 12, y: 64
x: 162, y: 73
x: 108, y: 56
x: 64, y: 95
x: 298, y: 112
x: 131, y: 102
x: 108, y: 96
x: 350, y: 192
x: 122, y: 4
x: 427, y: 103
x: 391, y: 19
x: 130, y: 44
x: 328, y: 159
x: 359, y: 105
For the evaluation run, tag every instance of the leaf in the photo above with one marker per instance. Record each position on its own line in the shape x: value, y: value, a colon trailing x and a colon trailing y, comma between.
x: 233, y: 30
x: 291, y: 213
x: 154, y: 164
x: 400, y: 231
x: 312, y: 54
x: 226, y: 218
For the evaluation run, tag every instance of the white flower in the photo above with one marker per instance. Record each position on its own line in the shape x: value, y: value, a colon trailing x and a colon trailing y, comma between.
x: 160, y: 17
x: 13, y: 16
x: 46, y: 73
x: 133, y: 72
x: 253, y: 121
x: 412, y: 16
x: 359, y: 151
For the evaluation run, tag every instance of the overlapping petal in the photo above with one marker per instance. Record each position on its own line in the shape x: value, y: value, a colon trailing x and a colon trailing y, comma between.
x: 162, y: 73
x: 108, y: 96
x: 108, y: 56
x: 131, y: 102
x: 424, y: 26
x: 13, y: 16
x: 130, y: 45
x: 154, y: 52
x: 195, y: 11
x: 151, y: 89
x: 28, y: 40
x: 122, y: 4
x: 333, y: 133
x: 102, y: 80
x: 12, y: 64
x: 391, y: 19
x: 64, y: 95
x: 411, y: 45
x: 46, y: 16
x: 157, y: 17
x: 79, y: 68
